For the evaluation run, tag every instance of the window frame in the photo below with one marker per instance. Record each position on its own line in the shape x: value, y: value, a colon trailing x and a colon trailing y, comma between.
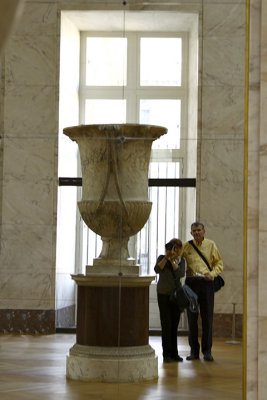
x: 133, y: 92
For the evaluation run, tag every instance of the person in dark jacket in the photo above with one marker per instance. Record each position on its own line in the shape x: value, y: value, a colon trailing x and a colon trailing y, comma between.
x: 169, y: 267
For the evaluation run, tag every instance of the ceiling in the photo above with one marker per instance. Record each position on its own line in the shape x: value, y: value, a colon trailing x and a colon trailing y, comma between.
x: 167, y: 21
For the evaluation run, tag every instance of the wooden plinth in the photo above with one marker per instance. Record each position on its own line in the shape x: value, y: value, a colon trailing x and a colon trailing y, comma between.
x: 113, y: 312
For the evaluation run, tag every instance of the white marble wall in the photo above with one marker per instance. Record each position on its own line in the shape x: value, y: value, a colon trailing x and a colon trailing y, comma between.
x: 29, y: 111
x: 257, y: 211
x: 221, y: 155
x: 262, y: 321
x: 253, y: 201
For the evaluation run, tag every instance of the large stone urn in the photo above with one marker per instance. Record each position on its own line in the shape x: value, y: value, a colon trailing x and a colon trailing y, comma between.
x: 115, y: 162
x: 112, y: 340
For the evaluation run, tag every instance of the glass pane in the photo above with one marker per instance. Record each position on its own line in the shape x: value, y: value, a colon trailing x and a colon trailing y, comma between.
x: 105, y: 111
x: 106, y: 61
x: 67, y: 156
x: 161, y: 60
x: 164, y: 113
x: 92, y: 245
x: 163, y: 170
x: 65, y: 253
x: 161, y: 226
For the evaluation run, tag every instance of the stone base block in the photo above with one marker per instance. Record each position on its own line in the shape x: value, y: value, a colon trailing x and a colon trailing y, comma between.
x: 112, y: 364
x: 114, y: 268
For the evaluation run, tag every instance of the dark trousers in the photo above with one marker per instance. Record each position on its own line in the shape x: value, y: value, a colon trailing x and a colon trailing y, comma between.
x: 205, y: 291
x: 169, y: 318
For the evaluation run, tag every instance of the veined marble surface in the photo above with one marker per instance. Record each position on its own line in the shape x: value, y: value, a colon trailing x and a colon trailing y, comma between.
x: 110, y: 364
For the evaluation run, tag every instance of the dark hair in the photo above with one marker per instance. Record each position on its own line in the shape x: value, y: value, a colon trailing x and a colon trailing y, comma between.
x: 197, y: 223
x: 169, y: 246
x: 176, y: 242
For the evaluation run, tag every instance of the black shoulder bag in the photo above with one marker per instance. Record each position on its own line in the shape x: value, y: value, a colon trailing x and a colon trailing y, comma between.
x: 183, y: 296
x: 218, y: 280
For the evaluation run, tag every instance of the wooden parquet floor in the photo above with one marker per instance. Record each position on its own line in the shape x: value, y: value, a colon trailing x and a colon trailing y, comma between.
x: 33, y: 368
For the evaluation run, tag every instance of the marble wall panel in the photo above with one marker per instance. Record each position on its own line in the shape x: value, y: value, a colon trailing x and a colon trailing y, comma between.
x: 27, y: 248
x: 262, y: 356
x: 31, y: 111
x: 254, y: 46
x: 222, y: 164
x: 31, y: 59
x: 223, y: 44
x: 38, y: 18
x: 221, y: 210
x: 253, y: 125
x: 262, y: 323
x: 252, y: 356
x: 221, y: 61
x: 223, y: 18
x: 263, y: 144
x: 32, y: 289
x: 262, y: 311
x: 223, y: 112
x: 253, y: 204
x: 222, y: 142
x: 18, y: 302
x: 30, y: 160
x: 28, y: 203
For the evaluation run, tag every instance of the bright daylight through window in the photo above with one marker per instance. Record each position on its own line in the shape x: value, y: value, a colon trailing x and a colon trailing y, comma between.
x: 140, y: 78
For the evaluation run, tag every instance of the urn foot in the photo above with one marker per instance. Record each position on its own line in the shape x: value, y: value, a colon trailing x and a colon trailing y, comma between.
x: 112, y: 364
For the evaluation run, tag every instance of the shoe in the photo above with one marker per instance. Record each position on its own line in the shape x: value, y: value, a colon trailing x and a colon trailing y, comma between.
x: 208, y: 357
x: 178, y: 358
x: 167, y: 360
x: 192, y: 357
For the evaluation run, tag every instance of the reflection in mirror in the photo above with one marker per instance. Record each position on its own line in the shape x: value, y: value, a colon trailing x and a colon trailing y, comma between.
x: 203, y: 109
x: 179, y: 64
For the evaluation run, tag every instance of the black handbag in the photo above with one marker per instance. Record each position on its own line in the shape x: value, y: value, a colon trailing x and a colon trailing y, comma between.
x: 178, y: 297
x: 218, y: 281
x: 183, y: 296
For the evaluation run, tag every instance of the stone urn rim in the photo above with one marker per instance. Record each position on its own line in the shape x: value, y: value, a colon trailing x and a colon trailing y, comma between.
x: 115, y: 161
x: 125, y: 131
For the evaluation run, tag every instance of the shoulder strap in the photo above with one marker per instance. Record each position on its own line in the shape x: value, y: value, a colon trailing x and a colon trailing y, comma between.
x: 199, y: 252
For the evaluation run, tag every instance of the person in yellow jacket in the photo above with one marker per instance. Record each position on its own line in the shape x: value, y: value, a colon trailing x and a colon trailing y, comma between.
x: 200, y: 279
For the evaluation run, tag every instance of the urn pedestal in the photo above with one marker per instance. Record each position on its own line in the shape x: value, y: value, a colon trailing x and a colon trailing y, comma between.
x: 112, y: 343
x: 113, y: 299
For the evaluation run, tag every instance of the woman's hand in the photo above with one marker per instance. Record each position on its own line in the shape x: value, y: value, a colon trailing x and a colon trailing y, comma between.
x: 170, y: 255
